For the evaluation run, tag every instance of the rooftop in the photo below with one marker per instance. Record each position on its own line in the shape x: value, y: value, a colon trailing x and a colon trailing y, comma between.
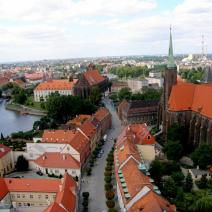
x: 56, y: 85
x: 93, y: 77
x: 4, y: 150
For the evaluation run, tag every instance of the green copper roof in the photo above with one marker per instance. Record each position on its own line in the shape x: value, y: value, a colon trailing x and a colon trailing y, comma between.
x: 171, y: 63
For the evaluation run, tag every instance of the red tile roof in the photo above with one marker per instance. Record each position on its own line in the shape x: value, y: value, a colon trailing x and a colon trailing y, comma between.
x: 93, y: 77
x: 56, y: 85
x: 79, y: 120
x: 34, y: 76
x: 137, y: 133
x: 32, y: 185
x: 4, y: 150
x: 195, y: 97
x: 65, y: 190
x: 54, y: 207
x: 101, y: 113
x: 3, y: 80
x: 152, y: 202
x: 67, y: 197
x: 57, y: 160
x: 58, y: 136
x: 3, y: 189
x: 88, y: 129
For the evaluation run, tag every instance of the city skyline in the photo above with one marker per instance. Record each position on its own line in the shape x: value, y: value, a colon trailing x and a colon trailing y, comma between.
x: 51, y: 29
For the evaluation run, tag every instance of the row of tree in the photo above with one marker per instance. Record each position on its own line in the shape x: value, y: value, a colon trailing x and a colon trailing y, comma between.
x: 130, y: 71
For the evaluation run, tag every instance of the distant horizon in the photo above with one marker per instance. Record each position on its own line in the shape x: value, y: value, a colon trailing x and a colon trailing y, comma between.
x: 34, y: 30
x: 99, y: 57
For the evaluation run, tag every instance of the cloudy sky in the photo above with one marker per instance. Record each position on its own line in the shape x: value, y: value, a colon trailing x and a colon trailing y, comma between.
x: 49, y: 29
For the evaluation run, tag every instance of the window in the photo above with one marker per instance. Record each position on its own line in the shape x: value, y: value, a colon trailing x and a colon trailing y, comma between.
x: 23, y: 195
x: 39, y: 196
x: 19, y: 204
x: 31, y: 196
x: 56, y: 171
x: 18, y: 195
x: 73, y: 172
x: 46, y: 196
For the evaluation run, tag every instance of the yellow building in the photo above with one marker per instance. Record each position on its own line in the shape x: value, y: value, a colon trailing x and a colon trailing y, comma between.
x: 6, y: 160
x: 38, y: 195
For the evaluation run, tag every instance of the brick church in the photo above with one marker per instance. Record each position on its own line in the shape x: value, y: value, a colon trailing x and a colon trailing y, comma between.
x: 89, y: 79
x: 188, y: 104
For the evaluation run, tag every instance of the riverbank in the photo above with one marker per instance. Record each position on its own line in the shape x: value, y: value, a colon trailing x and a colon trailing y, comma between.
x: 25, y: 110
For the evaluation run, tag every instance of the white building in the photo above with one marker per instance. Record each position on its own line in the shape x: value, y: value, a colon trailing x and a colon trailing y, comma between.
x: 44, y: 89
x: 137, y: 84
x: 57, y: 164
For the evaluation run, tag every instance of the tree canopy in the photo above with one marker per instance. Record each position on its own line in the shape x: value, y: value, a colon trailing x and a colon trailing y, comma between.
x: 130, y: 71
x: 61, y: 108
x: 173, y: 150
x: 193, y: 75
x: 202, y: 156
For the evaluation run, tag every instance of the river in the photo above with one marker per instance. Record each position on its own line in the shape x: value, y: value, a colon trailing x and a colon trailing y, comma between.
x: 11, y: 121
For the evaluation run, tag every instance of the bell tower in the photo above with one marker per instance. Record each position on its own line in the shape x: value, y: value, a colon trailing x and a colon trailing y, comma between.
x: 170, y: 79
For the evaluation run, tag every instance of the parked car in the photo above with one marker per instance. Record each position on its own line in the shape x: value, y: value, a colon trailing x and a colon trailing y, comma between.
x: 99, y: 155
x: 39, y: 173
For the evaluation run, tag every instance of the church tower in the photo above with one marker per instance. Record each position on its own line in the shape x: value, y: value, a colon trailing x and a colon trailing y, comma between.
x: 170, y: 79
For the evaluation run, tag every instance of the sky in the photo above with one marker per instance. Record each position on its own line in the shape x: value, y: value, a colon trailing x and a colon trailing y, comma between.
x: 56, y: 29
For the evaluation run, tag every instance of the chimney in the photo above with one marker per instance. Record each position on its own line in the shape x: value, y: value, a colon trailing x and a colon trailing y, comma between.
x: 60, y: 188
x: 44, y: 157
x: 64, y: 157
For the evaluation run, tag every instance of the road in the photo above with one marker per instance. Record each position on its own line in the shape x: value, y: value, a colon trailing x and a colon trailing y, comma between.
x: 94, y: 184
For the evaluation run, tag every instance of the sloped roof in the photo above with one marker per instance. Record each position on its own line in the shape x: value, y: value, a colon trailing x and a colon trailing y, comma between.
x: 152, y: 202
x: 101, y: 113
x: 3, y: 188
x: 93, y: 77
x: 54, y: 207
x: 88, y: 129
x: 195, y: 97
x: 79, y: 120
x: 56, y: 85
x: 4, y: 150
x: 32, y: 185
x: 57, y: 160
x: 138, y: 134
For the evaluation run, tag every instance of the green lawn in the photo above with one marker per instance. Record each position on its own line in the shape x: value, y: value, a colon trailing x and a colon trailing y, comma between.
x: 32, y: 104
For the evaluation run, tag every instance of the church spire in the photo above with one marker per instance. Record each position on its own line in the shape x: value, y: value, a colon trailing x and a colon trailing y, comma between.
x: 171, y: 64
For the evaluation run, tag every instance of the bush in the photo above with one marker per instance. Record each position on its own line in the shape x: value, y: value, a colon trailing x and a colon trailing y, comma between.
x: 110, y: 203
x: 85, y: 195
x: 108, y: 173
x: 88, y: 170
x: 109, y: 195
x: 108, y: 179
x: 112, y: 210
x: 108, y: 168
x: 108, y: 186
x: 85, y: 203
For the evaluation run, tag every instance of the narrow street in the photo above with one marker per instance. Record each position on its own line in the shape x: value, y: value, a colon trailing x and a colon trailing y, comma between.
x: 94, y: 184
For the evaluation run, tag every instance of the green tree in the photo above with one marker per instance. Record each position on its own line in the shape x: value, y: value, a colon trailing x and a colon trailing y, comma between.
x: 188, y: 183
x: 202, y: 156
x: 178, y: 178
x: 124, y: 93
x: 156, y: 170
x: 95, y: 95
x: 173, y: 150
x: 22, y: 164
x: 20, y: 97
x: 2, y: 136
x: 202, y: 183
x: 170, y: 188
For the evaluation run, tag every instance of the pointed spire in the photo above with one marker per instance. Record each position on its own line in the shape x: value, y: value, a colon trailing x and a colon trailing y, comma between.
x: 171, y: 63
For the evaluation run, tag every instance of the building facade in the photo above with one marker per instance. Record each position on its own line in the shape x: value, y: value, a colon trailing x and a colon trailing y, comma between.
x: 6, y: 160
x: 38, y: 194
x: 44, y: 89
x: 138, y: 111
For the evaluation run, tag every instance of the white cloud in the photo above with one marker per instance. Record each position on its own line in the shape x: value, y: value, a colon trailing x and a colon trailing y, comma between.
x: 36, y: 29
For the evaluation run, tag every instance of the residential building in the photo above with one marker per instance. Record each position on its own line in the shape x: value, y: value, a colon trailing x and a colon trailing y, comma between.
x: 135, y: 188
x: 44, y: 89
x: 72, y: 142
x: 6, y: 160
x: 58, y: 164
x: 137, y: 84
x: 38, y: 194
x: 138, y: 111
x: 104, y: 118
x: 88, y: 80
x: 76, y: 122
x: 197, y: 174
